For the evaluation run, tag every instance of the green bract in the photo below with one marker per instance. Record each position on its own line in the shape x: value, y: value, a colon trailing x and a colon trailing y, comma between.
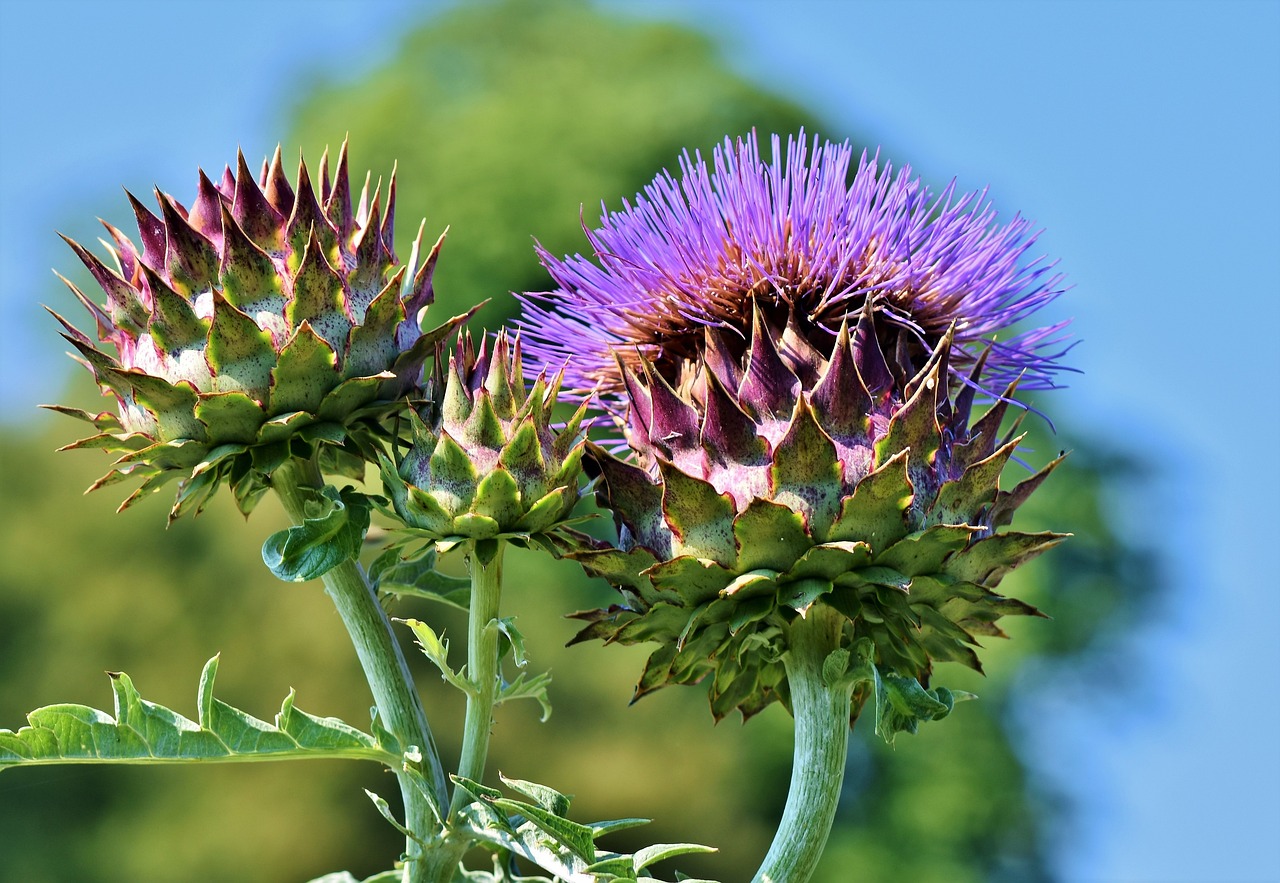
x: 485, y: 461
x: 861, y: 487
x: 263, y: 323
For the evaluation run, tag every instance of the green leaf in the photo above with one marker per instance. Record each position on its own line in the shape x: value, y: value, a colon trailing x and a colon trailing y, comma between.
x: 925, y: 551
x: 514, y: 642
x: 700, y: 518
x: 660, y: 852
x: 540, y: 833
x: 306, y: 372
x: 901, y: 704
x: 526, y: 686
x: 608, y: 827
x: 417, y: 577
x: 692, y: 580
x: 835, y: 667
x: 800, y: 594
x: 331, y: 533
x: 548, y: 798
x: 578, y: 838
x: 806, y: 472
x: 143, y: 732
x: 385, y: 811
x: 498, y: 497
x: 345, y: 877
x: 437, y: 650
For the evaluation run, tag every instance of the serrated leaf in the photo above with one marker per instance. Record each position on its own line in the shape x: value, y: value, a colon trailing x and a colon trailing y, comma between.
x: 436, y: 649
x: 700, y: 518
x: 540, y: 833
x: 144, y: 732
x: 527, y: 686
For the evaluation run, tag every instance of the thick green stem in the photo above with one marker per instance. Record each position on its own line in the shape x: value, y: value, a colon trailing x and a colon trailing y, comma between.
x: 821, y: 744
x: 482, y: 668
x: 399, y: 706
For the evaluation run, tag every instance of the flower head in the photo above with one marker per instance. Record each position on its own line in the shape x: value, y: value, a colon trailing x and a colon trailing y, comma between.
x: 793, y: 237
x: 779, y: 348
x: 758, y: 498
x: 265, y: 322
x: 485, y: 461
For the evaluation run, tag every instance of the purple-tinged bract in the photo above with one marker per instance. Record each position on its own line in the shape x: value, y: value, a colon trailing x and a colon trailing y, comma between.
x: 794, y: 237
x: 265, y: 322
x: 486, y: 462
x: 759, y: 495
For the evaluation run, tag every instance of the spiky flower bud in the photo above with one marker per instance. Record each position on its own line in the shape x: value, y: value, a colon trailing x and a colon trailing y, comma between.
x: 486, y: 462
x: 265, y: 322
x: 795, y: 361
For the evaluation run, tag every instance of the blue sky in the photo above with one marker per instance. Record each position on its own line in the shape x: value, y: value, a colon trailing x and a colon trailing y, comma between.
x: 1145, y: 138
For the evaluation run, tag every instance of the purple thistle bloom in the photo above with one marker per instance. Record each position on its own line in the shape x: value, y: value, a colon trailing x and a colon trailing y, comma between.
x: 807, y: 247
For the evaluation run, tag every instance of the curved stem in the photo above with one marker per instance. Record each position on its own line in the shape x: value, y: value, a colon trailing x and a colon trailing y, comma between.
x: 482, y: 668
x: 821, y: 744
x: 399, y: 706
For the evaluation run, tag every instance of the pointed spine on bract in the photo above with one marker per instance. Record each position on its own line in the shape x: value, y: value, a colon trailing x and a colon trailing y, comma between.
x: 485, y: 461
x: 263, y: 323
x: 759, y: 494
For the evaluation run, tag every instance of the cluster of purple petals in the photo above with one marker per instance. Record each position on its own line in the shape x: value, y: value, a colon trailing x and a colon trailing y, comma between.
x: 696, y: 250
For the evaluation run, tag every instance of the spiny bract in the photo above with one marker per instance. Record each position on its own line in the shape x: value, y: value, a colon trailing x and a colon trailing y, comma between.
x: 760, y: 494
x: 485, y: 461
x: 261, y: 324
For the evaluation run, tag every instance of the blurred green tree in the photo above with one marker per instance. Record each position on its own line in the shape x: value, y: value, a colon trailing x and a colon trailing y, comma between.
x: 505, y: 118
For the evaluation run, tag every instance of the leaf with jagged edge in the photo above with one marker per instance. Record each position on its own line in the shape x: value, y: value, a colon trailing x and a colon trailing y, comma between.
x: 540, y: 833
x: 436, y: 649
x: 528, y: 687
x: 144, y: 732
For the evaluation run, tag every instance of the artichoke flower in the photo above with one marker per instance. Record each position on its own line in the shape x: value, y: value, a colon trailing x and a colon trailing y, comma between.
x: 486, y: 462
x: 265, y: 322
x: 793, y: 359
x: 757, y: 497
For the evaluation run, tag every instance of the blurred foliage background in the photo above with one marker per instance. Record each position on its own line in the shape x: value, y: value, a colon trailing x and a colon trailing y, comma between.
x: 507, y: 120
